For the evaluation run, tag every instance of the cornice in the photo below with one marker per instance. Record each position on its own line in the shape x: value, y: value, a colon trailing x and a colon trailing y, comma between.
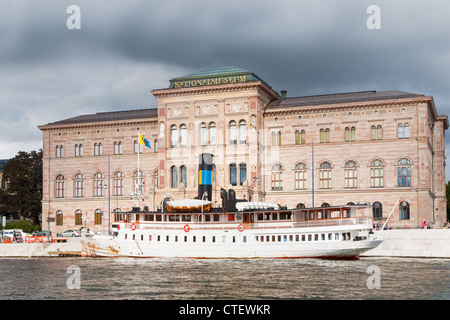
x: 119, y: 123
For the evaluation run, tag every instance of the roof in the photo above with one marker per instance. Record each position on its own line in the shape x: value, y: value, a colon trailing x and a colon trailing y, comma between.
x: 193, y: 79
x: 109, y: 116
x: 342, y: 98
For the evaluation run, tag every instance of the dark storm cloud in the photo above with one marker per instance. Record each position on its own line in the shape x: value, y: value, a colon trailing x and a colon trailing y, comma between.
x: 127, y: 48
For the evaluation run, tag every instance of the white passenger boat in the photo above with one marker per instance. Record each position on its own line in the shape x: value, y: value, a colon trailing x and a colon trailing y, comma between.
x: 332, y: 232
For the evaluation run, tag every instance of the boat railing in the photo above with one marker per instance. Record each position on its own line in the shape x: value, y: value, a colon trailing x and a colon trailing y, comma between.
x: 278, y: 224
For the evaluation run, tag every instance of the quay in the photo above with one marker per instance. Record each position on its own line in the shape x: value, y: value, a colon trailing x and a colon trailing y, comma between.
x: 406, y: 243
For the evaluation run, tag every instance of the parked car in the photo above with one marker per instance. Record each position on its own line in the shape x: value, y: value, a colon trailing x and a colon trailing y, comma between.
x: 70, y: 233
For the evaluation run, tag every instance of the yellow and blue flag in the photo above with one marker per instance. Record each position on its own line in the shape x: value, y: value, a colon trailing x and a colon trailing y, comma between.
x: 144, y: 141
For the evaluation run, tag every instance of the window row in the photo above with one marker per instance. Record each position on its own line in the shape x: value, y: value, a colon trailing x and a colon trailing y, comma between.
x: 376, y: 133
x: 208, y: 133
x: 79, y: 218
x: 98, y: 149
x: 403, y: 210
x: 350, y: 175
x: 100, y: 184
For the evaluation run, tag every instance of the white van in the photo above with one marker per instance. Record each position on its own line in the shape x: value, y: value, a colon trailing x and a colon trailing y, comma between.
x: 11, y: 232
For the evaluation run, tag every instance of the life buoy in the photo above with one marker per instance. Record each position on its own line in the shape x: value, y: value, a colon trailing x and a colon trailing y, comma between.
x: 186, y: 228
x: 133, y: 226
x: 241, y: 227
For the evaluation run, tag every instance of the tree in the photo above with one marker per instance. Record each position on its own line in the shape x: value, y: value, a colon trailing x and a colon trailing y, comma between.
x: 23, y: 193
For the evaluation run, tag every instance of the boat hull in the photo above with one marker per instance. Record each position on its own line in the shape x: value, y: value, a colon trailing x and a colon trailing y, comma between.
x: 224, y: 244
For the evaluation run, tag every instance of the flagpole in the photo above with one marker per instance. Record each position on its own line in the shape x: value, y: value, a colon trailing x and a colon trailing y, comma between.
x: 137, y: 188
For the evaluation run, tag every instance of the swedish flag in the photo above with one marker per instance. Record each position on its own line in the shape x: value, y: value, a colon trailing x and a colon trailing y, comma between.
x: 144, y: 141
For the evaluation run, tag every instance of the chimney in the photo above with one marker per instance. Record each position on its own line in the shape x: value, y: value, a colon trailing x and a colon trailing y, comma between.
x: 283, y: 94
x: 205, y: 175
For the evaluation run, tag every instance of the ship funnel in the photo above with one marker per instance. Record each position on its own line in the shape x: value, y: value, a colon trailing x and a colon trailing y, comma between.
x: 205, y: 176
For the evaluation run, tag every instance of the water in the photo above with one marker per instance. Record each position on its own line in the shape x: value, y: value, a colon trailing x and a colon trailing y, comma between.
x: 174, y: 279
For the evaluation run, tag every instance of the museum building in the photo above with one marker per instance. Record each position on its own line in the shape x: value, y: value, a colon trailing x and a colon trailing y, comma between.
x: 386, y: 149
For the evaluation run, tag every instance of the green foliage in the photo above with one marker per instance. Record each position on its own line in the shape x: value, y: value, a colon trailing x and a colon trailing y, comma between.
x: 26, y: 225
x: 23, y: 194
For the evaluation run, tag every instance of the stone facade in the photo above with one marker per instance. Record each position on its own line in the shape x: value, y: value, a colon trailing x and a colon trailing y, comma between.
x: 374, y: 147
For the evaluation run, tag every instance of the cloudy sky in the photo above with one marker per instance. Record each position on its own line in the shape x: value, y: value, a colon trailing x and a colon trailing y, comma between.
x: 125, y: 49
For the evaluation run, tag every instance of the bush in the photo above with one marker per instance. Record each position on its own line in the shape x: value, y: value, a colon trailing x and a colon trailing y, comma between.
x: 26, y: 225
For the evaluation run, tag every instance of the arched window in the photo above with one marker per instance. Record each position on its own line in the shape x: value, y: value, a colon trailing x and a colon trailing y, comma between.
x: 78, y: 150
x: 78, y: 186
x: 60, y: 151
x: 173, y: 136
x: 233, y: 132
x: 300, y: 176
x: 98, y: 216
x: 233, y: 174
x: 242, y: 173
x: 376, y: 132
x: 78, y: 217
x: 276, y: 138
x: 59, y: 186
x: 350, y: 134
x: 118, y: 147
x: 98, y: 184
x: 377, y: 210
x: 376, y: 174
x: 98, y: 149
x: 155, y: 179
x: 138, y: 147
x: 174, y: 177
x: 325, y: 205
x: 403, y: 130
x: 325, y: 175
x: 183, y: 174
x: 404, y: 173
x: 300, y: 137
x: 404, y: 210
x: 118, y: 184
x: 59, y: 218
x: 277, y: 177
x: 212, y: 133
x: 183, y: 135
x: 300, y: 205
x: 351, y: 174
x: 203, y: 134
x: 138, y: 182
x: 242, y: 131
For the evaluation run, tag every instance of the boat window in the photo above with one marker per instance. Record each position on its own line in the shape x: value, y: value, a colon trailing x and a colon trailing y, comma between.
x: 134, y: 237
x: 216, y: 217
x: 224, y: 239
x: 185, y: 238
x: 330, y: 236
x: 167, y: 238
x: 285, y: 238
x: 297, y: 238
x: 316, y: 237
x: 285, y: 215
x: 260, y: 217
x: 207, y: 217
x: 193, y: 238
x: 186, y: 218
x: 142, y: 237
x: 159, y: 238
x: 274, y: 216
x: 176, y: 238
x: 262, y: 238
x: 204, y: 238
x: 231, y: 217
x: 291, y: 238
x: 309, y: 237
x: 126, y: 235
x: 344, y: 237
x: 267, y: 238
x: 158, y: 217
x: 267, y: 216
x: 273, y: 238
x: 234, y: 239
x: 213, y: 238
x: 323, y: 236
x: 303, y: 237
x: 336, y: 236
x: 174, y: 217
x: 149, y: 217
x: 279, y: 238
x: 244, y: 239
x: 150, y: 237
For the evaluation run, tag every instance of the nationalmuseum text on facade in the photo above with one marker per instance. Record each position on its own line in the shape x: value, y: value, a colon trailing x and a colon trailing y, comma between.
x: 326, y: 150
